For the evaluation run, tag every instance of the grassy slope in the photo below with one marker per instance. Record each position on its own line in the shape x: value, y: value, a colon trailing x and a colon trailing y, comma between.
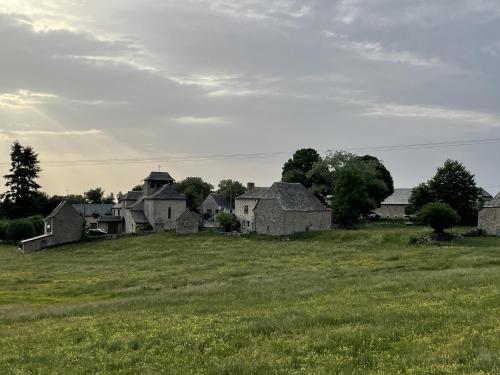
x: 342, y: 302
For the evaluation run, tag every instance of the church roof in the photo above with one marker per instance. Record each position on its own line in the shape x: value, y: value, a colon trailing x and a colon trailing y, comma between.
x: 139, y: 217
x: 167, y: 192
x: 159, y: 176
x: 294, y: 197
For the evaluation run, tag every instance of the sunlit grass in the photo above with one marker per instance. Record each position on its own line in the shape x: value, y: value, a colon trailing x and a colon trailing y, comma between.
x: 363, y: 301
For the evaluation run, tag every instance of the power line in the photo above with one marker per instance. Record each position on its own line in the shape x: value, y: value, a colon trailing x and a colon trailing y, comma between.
x: 261, y: 155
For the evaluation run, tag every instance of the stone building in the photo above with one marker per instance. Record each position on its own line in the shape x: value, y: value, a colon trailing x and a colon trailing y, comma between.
x: 489, y: 217
x: 245, y: 204
x: 63, y: 225
x: 394, y: 206
x: 215, y: 203
x: 157, y: 206
x: 287, y: 208
x: 187, y: 222
x: 92, y: 212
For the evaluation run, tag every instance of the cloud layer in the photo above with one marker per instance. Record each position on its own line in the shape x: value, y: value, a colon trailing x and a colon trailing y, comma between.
x: 119, y: 79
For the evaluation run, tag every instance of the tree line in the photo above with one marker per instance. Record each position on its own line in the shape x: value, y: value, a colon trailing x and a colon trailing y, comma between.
x: 352, y: 185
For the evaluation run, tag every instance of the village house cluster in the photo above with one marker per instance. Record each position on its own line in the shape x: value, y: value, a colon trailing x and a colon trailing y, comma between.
x: 281, y: 209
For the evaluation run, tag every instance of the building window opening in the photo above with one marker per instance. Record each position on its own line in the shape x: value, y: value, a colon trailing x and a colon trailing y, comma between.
x: 170, y: 212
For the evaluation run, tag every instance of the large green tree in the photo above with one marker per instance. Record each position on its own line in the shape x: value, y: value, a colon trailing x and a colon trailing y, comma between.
x: 21, y: 181
x: 94, y: 195
x: 453, y: 184
x: 195, y: 190
x: 359, y: 189
x: 231, y: 189
x: 297, y: 168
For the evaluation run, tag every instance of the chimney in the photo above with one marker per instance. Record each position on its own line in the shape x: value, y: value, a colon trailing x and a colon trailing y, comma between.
x: 250, y: 185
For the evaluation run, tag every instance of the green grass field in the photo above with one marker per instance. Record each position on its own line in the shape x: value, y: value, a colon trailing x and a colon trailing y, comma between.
x: 341, y: 302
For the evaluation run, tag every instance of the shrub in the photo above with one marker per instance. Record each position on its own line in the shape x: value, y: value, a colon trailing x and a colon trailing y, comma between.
x: 4, y: 224
x: 20, y: 229
x: 227, y: 221
x: 38, y: 223
x: 439, y: 216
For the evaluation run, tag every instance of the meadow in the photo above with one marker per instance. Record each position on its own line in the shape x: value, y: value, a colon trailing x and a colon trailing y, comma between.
x: 364, y: 301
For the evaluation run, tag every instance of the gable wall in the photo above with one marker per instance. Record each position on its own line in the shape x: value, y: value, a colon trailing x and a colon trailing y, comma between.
x: 269, y: 217
x: 239, y: 211
x: 157, y: 212
x: 67, y: 226
x: 489, y: 220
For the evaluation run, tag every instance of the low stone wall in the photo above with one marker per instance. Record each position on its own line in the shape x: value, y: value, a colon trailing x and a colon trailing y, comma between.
x: 37, y: 243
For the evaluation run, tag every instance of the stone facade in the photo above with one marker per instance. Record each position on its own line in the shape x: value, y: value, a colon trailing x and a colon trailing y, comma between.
x: 244, y: 207
x: 63, y: 225
x: 187, y: 222
x: 394, y: 206
x: 215, y: 203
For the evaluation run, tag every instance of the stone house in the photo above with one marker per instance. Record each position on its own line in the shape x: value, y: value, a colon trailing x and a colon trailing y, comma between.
x: 63, y: 225
x: 215, y: 203
x: 287, y: 208
x: 92, y: 212
x: 187, y: 222
x: 245, y: 204
x: 156, y: 206
x: 489, y: 217
x: 394, y: 206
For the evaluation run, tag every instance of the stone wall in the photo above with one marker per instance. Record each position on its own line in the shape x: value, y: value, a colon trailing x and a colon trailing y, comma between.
x: 67, y: 225
x: 389, y: 211
x: 489, y: 220
x: 37, y: 243
x: 269, y: 218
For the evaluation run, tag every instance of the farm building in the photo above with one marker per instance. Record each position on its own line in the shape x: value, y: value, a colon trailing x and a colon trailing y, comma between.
x: 92, y: 212
x: 489, y: 217
x: 287, y: 208
x: 395, y: 205
x: 63, y: 225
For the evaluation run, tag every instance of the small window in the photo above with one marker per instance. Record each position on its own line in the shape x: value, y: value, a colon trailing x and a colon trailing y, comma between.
x: 216, y: 211
x: 245, y: 210
x: 209, y: 211
x: 248, y: 224
x: 170, y: 212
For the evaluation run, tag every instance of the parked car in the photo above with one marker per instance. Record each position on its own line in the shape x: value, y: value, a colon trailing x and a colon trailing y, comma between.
x: 97, y: 232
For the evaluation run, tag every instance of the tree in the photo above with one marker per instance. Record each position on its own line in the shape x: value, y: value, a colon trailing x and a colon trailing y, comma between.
x: 20, y: 229
x: 296, y: 168
x: 110, y: 199
x: 94, y: 196
x: 439, y: 216
x: 195, y: 190
x: 137, y: 188
x: 231, y: 189
x: 24, y: 170
x: 227, y: 221
x: 382, y: 172
x: 453, y: 184
x: 359, y: 189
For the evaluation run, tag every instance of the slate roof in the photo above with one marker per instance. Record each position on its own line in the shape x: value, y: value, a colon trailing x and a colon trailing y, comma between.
x: 494, y: 203
x: 93, y: 209
x: 220, y: 200
x: 167, y: 192
x: 110, y: 219
x: 399, y: 197
x: 159, y: 176
x: 255, y: 193
x: 139, y: 217
x: 294, y: 197
x: 188, y: 214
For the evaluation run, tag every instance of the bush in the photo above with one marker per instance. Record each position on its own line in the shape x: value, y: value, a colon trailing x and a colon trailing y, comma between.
x: 38, y: 223
x: 20, y: 229
x: 228, y: 221
x: 439, y: 216
x: 4, y: 224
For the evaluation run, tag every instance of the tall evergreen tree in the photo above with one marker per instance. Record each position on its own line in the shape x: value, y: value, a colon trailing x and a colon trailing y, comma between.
x: 22, y: 187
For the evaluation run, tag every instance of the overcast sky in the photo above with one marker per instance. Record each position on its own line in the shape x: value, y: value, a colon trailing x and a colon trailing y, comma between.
x: 166, y: 79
